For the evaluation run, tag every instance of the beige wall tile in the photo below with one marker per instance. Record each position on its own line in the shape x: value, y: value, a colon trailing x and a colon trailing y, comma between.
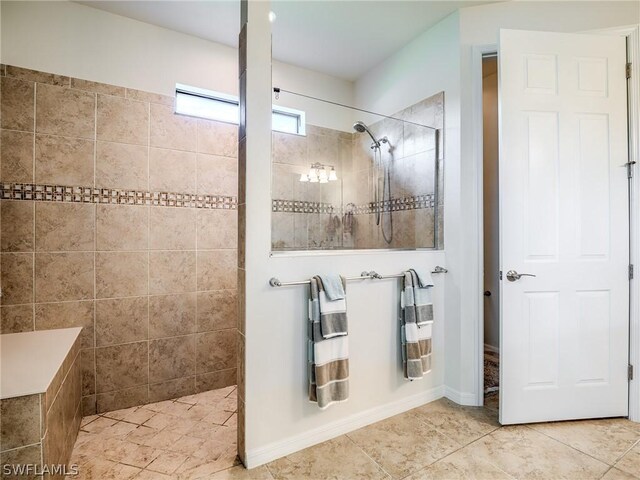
x: 172, y: 272
x: 217, y: 138
x: 65, y: 227
x: 172, y: 228
x: 122, y: 227
x: 67, y: 314
x: 62, y: 111
x: 16, y: 156
x: 172, y: 171
x: 16, y: 229
x: 129, y: 397
x: 16, y: 111
x: 217, y: 229
x: 119, y: 165
x: 241, y: 183
x: 20, y: 421
x: 241, y: 365
x: 89, y: 405
x: 175, y: 388
x: 172, y: 315
x: 16, y: 318
x: 282, y: 230
x: 242, y: 234
x: 36, y: 76
x: 169, y: 130
x: 121, y: 366
x: 290, y: 149
x: 63, y: 276
x: 17, y: 278
x: 214, y: 380
x: 171, y: 358
x: 64, y: 161
x: 217, y: 175
x: 217, y: 310
x: 121, y: 274
x: 217, y: 270
x: 97, y: 87
x: 121, y: 320
x: 122, y: 120
x: 149, y: 97
x: 88, y: 365
x: 22, y: 456
x: 216, y: 350
x: 242, y: 300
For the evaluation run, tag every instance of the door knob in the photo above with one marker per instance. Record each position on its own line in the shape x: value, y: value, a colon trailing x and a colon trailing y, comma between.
x: 512, y: 275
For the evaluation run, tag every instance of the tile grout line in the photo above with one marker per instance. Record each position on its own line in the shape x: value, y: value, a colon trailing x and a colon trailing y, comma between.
x: 95, y: 235
x: 577, y: 449
x: 33, y: 176
x: 369, y: 456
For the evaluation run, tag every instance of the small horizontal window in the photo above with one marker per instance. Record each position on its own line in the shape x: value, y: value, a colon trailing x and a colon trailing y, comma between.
x: 197, y: 102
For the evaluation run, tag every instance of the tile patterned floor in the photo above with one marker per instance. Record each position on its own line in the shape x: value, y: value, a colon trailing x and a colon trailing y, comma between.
x: 188, y: 438
x: 177, y: 440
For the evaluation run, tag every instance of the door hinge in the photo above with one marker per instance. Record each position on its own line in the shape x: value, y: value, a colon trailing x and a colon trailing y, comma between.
x: 630, y: 168
x: 628, y: 70
x: 631, y: 271
x: 630, y: 372
x: 500, y: 275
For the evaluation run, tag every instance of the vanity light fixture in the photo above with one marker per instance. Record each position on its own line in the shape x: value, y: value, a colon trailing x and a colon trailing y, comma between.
x: 318, y: 174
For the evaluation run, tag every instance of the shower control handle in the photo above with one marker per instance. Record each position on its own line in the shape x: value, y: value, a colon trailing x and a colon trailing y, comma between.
x: 512, y: 275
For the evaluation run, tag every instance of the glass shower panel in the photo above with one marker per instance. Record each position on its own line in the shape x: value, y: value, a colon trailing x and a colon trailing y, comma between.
x: 358, y: 180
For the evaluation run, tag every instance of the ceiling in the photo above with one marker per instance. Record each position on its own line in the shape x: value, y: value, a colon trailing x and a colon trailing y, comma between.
x: 341, y: 38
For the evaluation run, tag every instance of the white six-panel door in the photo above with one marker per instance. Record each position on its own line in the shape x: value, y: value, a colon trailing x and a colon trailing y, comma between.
x: 564, y: 219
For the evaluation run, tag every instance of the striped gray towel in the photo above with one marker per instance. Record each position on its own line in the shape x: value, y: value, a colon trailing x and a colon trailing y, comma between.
x: 416, y: 326
x: 328, y: 354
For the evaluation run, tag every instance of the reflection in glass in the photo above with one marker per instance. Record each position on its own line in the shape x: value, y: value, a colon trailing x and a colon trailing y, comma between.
x: 372, y: 182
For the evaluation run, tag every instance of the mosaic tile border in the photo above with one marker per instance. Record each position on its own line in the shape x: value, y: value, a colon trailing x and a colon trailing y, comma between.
x: 297, y: 206
x: 76, y: 194
x: 416, y: 202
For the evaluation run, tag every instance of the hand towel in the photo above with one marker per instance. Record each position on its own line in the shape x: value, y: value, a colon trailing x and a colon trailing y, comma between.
x: 328, y: 357
x: 421, y: 298
x: 333, y: 313
x: 332, y: 286
x: 424, y: 277
x: 416, y: 324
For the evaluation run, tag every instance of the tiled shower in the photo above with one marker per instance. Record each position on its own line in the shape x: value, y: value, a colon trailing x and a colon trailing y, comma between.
x: 119, y: 216
x: 343, y: 213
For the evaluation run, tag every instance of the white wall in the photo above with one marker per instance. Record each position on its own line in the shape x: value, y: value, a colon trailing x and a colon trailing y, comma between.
x: 279, y: 418
x: 76, y: 40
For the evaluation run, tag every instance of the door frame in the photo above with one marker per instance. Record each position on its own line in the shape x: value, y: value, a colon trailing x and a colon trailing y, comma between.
x: 632, y: 34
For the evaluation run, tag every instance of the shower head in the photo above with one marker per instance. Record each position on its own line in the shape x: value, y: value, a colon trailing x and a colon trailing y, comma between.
x: 361, y: 127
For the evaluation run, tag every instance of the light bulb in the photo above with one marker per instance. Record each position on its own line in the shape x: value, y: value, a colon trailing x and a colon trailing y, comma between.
x: 272, y: 17
x: 313, y: 178
x: 304, y: 177
x: 332, y: 175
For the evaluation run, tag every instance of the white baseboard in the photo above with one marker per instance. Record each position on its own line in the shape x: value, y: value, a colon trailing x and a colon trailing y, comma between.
x: 272, y: 451
x: 491, y: 348
x: 468, y: 399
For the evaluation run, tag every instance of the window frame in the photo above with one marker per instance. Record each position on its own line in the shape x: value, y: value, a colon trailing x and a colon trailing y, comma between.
x: 182, y: 89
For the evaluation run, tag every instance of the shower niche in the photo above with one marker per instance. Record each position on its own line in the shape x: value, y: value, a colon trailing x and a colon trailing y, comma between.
x: 358, y: 180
